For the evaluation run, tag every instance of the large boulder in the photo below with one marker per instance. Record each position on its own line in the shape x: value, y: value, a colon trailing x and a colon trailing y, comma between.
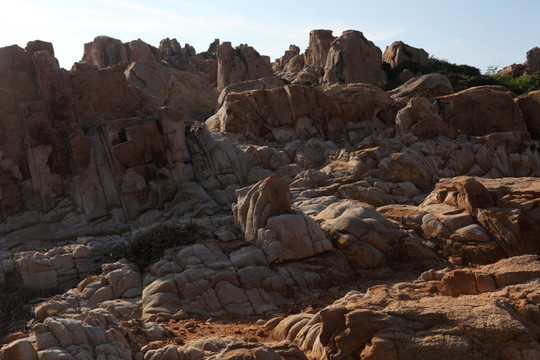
x: 482, y: 110
x: 532, y: 64
x: 280, y: 63
x: 339, y: 113
x: 138, y: 50
x: 428, y: 86
x: 267, y: 198
x: 484, y: 220
x: 104, y: 51
x: 530, y: 108
x: 405, y: 321
x: 352, y: 58
x: 476, y: 111
x: 240, y: 64
x: 319, y: 44
x: 183, y: 91
x: 399, y: 53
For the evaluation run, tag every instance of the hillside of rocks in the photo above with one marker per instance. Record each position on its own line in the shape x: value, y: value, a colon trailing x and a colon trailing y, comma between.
x: 157, y: 203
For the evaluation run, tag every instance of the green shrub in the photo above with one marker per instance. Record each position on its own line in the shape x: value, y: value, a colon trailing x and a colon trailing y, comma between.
x: 147, y: 247
x: 462, y: 76
x: 208, y: 55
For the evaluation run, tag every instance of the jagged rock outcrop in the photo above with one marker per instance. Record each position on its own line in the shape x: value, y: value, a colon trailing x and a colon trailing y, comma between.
x: 86, y: 154
x: 497, y: 217
x: 339, y: 113
x: 406, y: 321
x: 475, y: 111
x: 280, y: 63
x: 181, y: 91
x: 319, y: 45
x: 297, y: 194
x: 399, y: 53
x: 104, y: 51
x: 530, y: 66
x: 269, y: 197
x: 366, y: 237
x: 240, y: 64
x: 138, y: 50
x: 352, y: 58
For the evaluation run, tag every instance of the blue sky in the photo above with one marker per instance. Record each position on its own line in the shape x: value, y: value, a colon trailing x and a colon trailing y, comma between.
x: 474, y: 32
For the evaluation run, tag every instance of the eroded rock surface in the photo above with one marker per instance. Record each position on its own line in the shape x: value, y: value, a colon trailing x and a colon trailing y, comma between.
x: 298, y: 195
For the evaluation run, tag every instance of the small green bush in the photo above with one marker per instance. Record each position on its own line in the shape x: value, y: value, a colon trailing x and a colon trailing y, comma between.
x: 147, y: 247
x: 208, y: 55
x: 462, y: 76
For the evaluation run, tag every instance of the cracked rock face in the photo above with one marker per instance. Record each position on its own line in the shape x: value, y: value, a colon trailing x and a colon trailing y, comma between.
x: 314, y: 208
x: 404, y: 321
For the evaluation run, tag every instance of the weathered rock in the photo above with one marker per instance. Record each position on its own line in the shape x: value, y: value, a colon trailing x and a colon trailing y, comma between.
x: 401, y: 320
x: 428, y: 86
x: 317, y: 51
x: 182, y: 91
x: 280, y: 63
x: 228, y: 348
x: 399, y: 53
x: 530, y: 108
x: 419, y: 117
x: 532, y: 64
x: 366, y: 237
x: 338, y: 113
x: 259, y: 84
x: 104, y: 51
x: 263, y: 200
x: 500, y: 216
x: 240, y: 64
x: 482, y: 110
x: 138, y: 50
x: 352, y: 58
x: 95, y: 334
x: 169, y: 48
x: 22, y: 349
x: 490, y: 278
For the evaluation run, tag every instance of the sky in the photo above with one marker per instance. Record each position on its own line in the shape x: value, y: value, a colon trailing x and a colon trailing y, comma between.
x: 473, y: 32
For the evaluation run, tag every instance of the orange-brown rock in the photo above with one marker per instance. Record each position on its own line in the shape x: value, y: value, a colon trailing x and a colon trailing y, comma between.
x: 530, y: 108
x: 476, y: 111
x: 338, y: 113
x: 482, y: 110
x: 532, y: 64
x: 184, y: 91
x: 352, y: 58
x: 280, y: 63
x: 399, y: 53
x: 319, y: 44
x: 138, y: 50
x: 505, y: 216
x: 403, y: 321
x: 267, y: 198
x: 428, y: 86
x: 240, y: 64
x: 104, y: 51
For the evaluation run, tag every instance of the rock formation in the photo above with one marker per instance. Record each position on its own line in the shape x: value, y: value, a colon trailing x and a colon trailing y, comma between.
x: 530, y: 66
x: 268, y: 221
x: 399, y: 53
x: 353, y: 58
x: 240, y: 64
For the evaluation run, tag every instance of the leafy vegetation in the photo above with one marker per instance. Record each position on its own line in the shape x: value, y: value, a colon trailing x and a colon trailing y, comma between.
x: 462, y: 76
x: 208, y: 55
x: 148, y: 247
